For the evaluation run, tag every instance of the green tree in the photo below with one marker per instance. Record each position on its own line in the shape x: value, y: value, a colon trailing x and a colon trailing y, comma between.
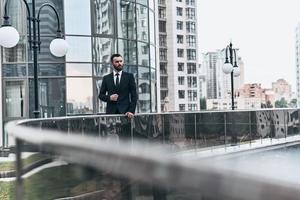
x: 293, y: 103
x: 267, y: 105
x: 282, y: 103
x: 203, y: 104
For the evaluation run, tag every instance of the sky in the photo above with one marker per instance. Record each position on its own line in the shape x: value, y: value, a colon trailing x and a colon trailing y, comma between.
x: 263, y: 30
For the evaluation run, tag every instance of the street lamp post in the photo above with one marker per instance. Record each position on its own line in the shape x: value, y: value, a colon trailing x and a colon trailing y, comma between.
x: 9, y: 37
x: 232, y: 68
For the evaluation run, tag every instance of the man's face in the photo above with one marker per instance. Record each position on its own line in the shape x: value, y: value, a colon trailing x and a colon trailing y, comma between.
x: 118, y: 63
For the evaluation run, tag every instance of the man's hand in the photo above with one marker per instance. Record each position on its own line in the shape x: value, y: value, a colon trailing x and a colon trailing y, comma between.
x: 129, y: 115
x: 114, y: 97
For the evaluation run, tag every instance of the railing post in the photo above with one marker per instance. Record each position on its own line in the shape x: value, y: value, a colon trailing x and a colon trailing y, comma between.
x: 19, y: 180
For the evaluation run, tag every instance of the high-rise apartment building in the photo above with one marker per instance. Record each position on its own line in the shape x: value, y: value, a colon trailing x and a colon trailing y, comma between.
x: 218, y: 83
x: 178, y: 55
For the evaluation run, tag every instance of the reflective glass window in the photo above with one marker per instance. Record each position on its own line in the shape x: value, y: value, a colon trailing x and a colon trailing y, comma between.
x: 153, y: 74
x: 51, y: 69
x: 14, y: 70
x: 48, y: 20
x: 14, y: 99
x: 77, y: 17
x: 153, y: 96
x: 101, y: 105
x: 126, y: 20
x: 76, y: 69
x: 128, y: 49
x: 144, y: 2
x: 142, y: 22
x: 17, y: 53
x: 152, y: 27
x: 79, y: 49
x: 143, y: 51
x: 101, y: 70
x: 103, y: 17
x: 79, y: 95
x: 51, y: 97
x: 144, y: 73
x: 132, y: 69
x: 152, y: 56
x: 102, y: 49
x: 144, y: 89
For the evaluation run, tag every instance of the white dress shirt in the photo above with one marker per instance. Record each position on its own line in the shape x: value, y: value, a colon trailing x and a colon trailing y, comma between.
x: 115, y: 77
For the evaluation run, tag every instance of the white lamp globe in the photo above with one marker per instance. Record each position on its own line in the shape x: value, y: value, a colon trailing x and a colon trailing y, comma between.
x: 236, y: 71
x: 9, y: 36
x: 59, y: 47
x: 227, y: 68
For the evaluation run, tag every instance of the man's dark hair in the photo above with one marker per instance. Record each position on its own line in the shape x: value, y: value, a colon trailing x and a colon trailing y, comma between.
x: 113, y: 56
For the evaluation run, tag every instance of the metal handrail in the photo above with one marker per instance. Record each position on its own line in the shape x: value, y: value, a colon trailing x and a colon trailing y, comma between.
x: 134, y: 161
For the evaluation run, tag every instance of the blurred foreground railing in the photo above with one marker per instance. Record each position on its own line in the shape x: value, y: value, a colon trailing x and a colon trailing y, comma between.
x: 142, y: 153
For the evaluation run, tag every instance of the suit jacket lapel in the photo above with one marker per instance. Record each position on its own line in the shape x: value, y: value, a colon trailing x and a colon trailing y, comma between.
x: 111, y: 81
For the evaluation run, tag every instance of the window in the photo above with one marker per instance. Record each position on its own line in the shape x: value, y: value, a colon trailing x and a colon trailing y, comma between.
x: 192, y: 107
x: 179, y: 25
x: 180, y: 67
x: 181, y: 94
x: 190, y: 2
x: 162, y: 26
x: 192, y: 95
x: 180, y: 80
x: 191, y: 68
x: 180, y: 53
x: 192, y: 81
x: 163, y: 68
x: 163, y: 54
x: 162, y: 12
x: 162, y: 2
x: 163, y: 94
x: 191, y: 40
x: 179, y: 11
x: 190, y: 13
x: 164, y: 82
x: 191, y: 54
x: 179, y: 39
x: 181, y: 107
x: 179, y: 0
x: 145, y: 49
x: 162, y: 40
x: 191, y: 27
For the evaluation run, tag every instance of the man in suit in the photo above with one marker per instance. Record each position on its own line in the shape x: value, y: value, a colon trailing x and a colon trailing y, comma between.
x: 118, y: 89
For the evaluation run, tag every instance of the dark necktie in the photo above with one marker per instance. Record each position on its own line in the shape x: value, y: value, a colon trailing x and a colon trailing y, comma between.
x: 117, y: 80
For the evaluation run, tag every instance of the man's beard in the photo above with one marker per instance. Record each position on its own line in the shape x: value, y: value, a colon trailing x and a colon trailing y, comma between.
x: 118, y: 68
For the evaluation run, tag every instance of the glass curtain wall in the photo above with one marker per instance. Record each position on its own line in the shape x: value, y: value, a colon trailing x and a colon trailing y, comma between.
x: 17, y: 65
x: 70, y: 85
x: 93, y: 35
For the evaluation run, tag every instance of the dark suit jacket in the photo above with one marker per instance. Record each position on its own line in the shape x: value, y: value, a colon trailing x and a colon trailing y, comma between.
x: 127, y: 93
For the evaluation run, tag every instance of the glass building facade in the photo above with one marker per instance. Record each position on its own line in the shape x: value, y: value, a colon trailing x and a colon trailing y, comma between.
x: 70, y: 85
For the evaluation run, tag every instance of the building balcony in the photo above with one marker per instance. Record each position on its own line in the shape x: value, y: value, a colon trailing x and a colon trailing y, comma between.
x: 155, y: 156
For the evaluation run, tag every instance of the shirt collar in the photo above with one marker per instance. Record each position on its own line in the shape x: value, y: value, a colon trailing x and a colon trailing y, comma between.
x: 120, y: 72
